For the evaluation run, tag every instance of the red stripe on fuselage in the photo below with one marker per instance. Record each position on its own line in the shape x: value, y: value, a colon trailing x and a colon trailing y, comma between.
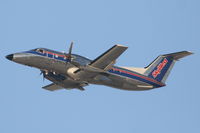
x: 56, y: 54
x: 149, y: 79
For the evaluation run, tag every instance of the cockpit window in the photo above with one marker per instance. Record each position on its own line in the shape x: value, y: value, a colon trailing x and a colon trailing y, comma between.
x: 40, y: 51
x: 34, y: 50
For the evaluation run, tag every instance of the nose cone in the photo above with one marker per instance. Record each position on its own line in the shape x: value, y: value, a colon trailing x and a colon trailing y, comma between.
x: 9, y: 57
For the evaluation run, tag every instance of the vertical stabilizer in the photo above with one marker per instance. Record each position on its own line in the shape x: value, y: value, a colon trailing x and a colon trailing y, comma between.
x: 160, y: 68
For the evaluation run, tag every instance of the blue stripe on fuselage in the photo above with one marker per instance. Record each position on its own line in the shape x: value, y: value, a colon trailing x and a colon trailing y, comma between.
x: 48, y: 55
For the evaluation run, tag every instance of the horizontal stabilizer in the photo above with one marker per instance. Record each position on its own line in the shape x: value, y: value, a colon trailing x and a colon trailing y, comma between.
x: 178, y: 55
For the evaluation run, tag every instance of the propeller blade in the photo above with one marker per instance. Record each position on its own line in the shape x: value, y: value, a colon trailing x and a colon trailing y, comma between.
x: 69, y: 54
x: 43, y: 75
x: 70, y: 49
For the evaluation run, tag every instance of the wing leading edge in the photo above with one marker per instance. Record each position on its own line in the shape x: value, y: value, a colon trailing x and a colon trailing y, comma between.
x: 107, y: 59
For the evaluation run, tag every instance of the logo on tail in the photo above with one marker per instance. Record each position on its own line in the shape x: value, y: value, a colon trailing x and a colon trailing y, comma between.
x: 159, y: 68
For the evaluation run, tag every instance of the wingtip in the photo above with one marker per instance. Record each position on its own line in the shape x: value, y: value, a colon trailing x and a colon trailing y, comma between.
x: 190, y: 52
x: 120, y: 45
x: 179, y: 55
x: 187, y: 53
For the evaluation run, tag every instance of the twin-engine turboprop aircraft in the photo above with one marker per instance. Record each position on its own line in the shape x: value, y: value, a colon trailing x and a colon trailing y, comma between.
x: 71, y: 71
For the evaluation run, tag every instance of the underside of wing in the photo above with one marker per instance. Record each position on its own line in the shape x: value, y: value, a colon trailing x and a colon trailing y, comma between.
x: 52, y: 87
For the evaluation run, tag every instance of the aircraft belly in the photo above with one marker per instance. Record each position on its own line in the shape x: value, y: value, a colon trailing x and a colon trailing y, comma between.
x: 111, y: 81
x: 136, y: 85
x: 121, y: 82
x: 69, y: 84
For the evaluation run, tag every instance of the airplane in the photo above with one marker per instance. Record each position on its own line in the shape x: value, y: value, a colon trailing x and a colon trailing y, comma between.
x: 72, y: 71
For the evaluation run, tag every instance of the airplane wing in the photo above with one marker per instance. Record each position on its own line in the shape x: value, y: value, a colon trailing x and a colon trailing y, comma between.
x: 107, y: 59
x: 52, y: 87
x: 68, y: 85
x: 101, y: 64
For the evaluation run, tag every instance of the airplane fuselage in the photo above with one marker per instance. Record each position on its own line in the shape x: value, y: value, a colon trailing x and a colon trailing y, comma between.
x: 74, y: 71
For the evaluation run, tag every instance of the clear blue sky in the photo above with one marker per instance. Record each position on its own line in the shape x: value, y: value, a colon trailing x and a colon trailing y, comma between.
x: 148, y: 27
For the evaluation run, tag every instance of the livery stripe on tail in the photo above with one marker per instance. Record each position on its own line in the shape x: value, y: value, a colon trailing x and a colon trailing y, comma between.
x: 160, y: 68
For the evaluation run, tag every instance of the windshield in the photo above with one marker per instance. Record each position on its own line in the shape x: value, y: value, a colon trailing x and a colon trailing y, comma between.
x: 38, y: 50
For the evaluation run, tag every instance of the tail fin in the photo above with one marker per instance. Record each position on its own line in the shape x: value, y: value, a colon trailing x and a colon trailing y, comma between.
x: 160, y: 68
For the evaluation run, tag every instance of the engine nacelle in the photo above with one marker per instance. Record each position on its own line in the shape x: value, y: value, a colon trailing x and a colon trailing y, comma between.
x: 71, y: 72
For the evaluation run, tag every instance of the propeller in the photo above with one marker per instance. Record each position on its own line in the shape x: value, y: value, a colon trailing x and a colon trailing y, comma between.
x: 43, y: 75
x: 69, y: 55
